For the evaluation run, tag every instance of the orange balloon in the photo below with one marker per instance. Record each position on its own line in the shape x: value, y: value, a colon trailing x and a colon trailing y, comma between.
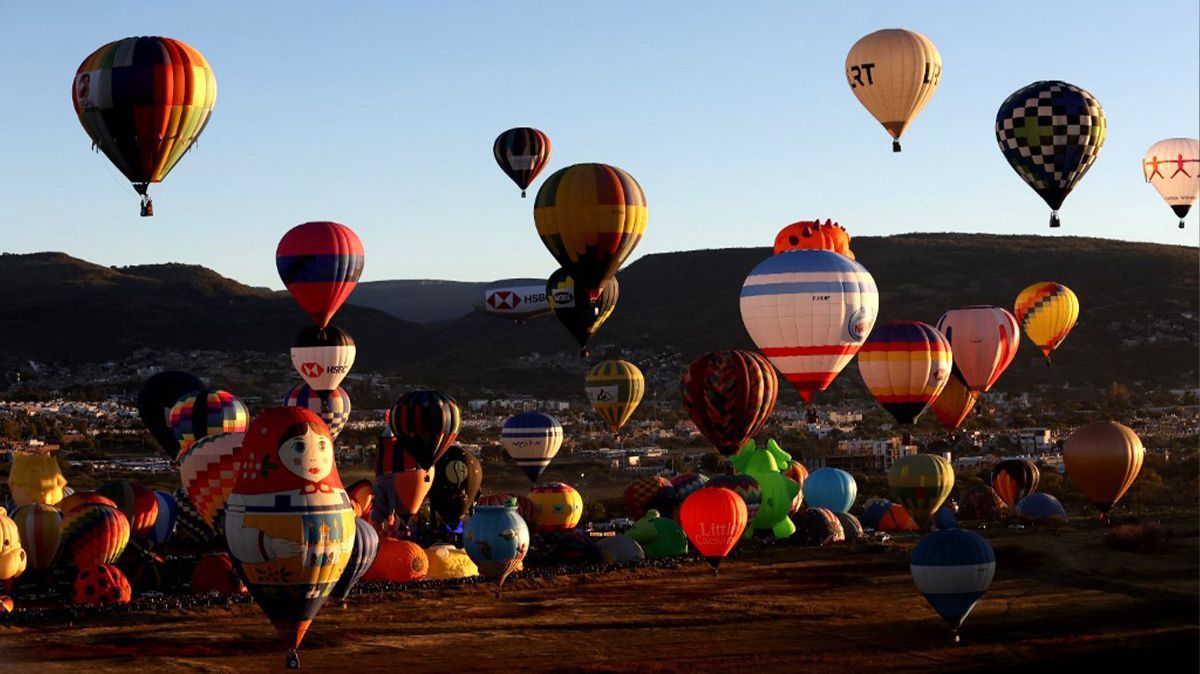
x: 954, y: 404
x: 1104, y: 459
x: 813, y: 235
x: 362, y: 497
x: 398, y: 562
x: 713, y: 519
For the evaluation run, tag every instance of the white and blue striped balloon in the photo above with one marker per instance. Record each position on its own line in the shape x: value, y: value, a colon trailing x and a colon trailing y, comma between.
x: 952, y: 569
x: 532, y: 439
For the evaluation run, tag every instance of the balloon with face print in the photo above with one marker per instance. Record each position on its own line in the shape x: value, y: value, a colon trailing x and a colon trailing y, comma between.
x: 289, y: 523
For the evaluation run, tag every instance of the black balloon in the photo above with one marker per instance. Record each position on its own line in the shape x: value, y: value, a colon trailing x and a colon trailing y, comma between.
x: 157, y: 396
x: 582, y: 310
x: 456, y: 480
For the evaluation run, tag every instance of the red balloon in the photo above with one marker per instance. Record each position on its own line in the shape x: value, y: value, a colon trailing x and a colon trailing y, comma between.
x: 714, y: 520
x: 729, y: 395
x: 102, y: 584
x: 320, y: 263
x: 215, y: 573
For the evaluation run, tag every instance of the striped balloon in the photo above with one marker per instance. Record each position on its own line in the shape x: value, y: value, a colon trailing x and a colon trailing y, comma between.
x: 209, y: 470
x: 954, y: 403
x: 168, y: 513
x: 332, y: 406
x: 818, y: 526
x: 1047, y: 311
x: 905, y: 365
x: 920, y: 482
x: 320, y: 264
x: 729, y: 396
x: 532, y: 439
x: 590, y: 217
x: 615, y: 389
x: 851, y: 527
x: 40, y: 529
x: 425, y: 424
x: 94, y: 534
x: 741, y: 484
x: 136, y: 501
x: 557, y: 505
x: 144, y: 102
x: 1014, y: 479
x: 203, y: 413
x: 984, y: 339
x: 362, y: 556
x: 809, y: 311
x: 522, y: 153
x: 952, y: 568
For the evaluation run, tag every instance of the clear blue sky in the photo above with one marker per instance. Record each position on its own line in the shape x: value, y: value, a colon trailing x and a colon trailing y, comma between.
x: 736, y: 122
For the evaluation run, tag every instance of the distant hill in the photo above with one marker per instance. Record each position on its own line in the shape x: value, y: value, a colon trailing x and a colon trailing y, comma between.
x: 1139, y: 319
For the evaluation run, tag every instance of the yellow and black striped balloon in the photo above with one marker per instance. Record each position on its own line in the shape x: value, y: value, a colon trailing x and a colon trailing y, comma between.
x: 615, y: 389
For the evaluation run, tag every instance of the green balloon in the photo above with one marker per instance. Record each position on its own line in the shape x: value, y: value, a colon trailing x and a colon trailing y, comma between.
x: 778, y: 491
x: 659, y: 536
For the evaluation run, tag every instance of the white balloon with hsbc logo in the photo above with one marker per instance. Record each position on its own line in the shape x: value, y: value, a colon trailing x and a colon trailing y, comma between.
x: 809, y: 312
x: 323, y: 357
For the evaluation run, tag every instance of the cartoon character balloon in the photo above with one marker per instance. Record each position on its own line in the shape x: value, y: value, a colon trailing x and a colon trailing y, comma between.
x: 35, y: 478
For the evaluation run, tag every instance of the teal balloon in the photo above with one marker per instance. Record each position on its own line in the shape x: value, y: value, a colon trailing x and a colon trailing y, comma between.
x: 831, y: 488
x: 496, y: 539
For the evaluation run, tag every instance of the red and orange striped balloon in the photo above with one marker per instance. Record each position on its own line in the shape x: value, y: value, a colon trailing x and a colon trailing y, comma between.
x: 905, y: 365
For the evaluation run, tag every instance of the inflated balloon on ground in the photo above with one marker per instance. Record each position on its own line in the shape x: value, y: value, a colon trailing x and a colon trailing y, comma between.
x: 558, y: 506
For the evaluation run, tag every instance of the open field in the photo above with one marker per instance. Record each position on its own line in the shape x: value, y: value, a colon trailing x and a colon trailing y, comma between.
x: 1061, y: 602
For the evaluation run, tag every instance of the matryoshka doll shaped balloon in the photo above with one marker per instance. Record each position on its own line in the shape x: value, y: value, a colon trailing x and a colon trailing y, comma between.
x: 289, y: 523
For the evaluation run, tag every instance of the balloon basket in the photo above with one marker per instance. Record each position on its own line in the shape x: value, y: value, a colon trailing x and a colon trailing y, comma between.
x: 1054, y: 221
x: 147, y: 206
x: 715, y: 563
x: 293, y: 660
x: 895, y: 146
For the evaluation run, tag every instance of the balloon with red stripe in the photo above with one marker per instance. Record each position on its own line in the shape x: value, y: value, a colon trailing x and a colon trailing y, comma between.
x: 905, y: 365
x: 984, y: 338
x: 809, y: 312
x: 320, y: 263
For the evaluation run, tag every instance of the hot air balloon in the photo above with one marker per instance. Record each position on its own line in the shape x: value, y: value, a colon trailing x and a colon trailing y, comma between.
x: 1051, y: 133
x: 13, y: 558
x: 215, y: 573
x: 852, y: 529
x: 893, y: 73
x: 984, y: 340
x: 981, y: 503
x: 809, y: 311
x: 398, y: 562
x: 332, y: 406
x: 1014, y: 479
x: 190, y: 524
x: 144, y: 102
x: 40, y: 529
x: 615, y: 388
x: 1103, y: 458
x: 921, y: 482
x: 35, y: 477
x: 136, y: 501
x: 426, y: 423
x: 102, y: 584
x: 831, y: 488
x: 158, y: 395
x: 582, y: 310
x: 397, y: 497
x: 741, y: 484
x: 1047, y: 311
x: 203, y: 413
x: 496, y: 539
x: 164, y: 524
x: 652, y: 492
x: 320, y: 263
x: 1041, y: 506
x: 456, y: 481
x: 362, y: 556
x: 525, y: 506
x: 362, y: 495
x: 208, y: 471
x: 1172, y: 166
x: 558, y: 507
x: 686, y: 483
x: 323, y: 356
x: 813, y: 235
x: 518, y: 299
x: 590, y: 217
x: 532, y: 439
x: 954, y: 403
x: 894, y: 518
x: 288, y: 523
x: 952, y: 568
x: 905, y: 365
x: 714, y: 520
x: 81, y: 498
x: 93, y: 534
x: 729, y: 395
x: 818, y: 526
x: 522, y: 153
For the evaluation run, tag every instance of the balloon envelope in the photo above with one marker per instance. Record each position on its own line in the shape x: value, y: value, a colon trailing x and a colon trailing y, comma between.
x: 532, y: 439
x: 332, y: 406
x: 362, y: 556
x: 203, y: 413
x: 921, y: 482
x: 1014, y: 479
x: 984, y: 339
x: 615, y: 389
x: 1172, y: 166
x: 714, y: 520
x: 208, y: 470
x: 1103, y: 458
x: 893, y: 73
x: 323, y: 356
x: 158, y: 395
x: 1047, y: 311
x: 954, y: 403
x: 456, y: 481
x: 1041, y: 506
x: 905, y: 365
x: 729, y: 396
x: 953, y: 568
x: 558, y: 507
x: 522, y: 153
x: 320, y: 264
x: 831, y: 488
x: 425, y: 424
x: 581, y: 309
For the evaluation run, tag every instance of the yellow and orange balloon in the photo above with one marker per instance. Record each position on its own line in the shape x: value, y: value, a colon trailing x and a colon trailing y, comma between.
x: 1047, y: 311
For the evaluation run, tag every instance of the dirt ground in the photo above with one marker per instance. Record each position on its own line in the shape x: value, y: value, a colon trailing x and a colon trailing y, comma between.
x: 1060, y: 602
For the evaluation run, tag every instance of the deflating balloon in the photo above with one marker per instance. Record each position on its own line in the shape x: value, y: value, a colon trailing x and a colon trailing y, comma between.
x: 425, y: 423
x: 332, y: 406
x: 203, y: 413
x: 905, y: 365
x: 532, y: 440
x: 590, y: 217
x: 952, y: 568
x: 729, y: 395
x: 320, y: 263
x: 894, y: 73
x: 954, y: 403
x: 362, y: 556
x: 323, y: 356
x: 921, y: 482
x: 1014, y: 479
x: 818, y: 526
x: 208, y: 470
x: 522, y: 153
x: 1051, y: 133
x: 615, y: 389
x: 1172, y: 166
x: 984, y: 340
x: 713, y: 520
x: 808, y: 312
x: 1103, y: 458
x: 1047, y: 311
x: 289, y: 524
x: 158, y: 395
x: 144, y: 101
x: 582, y: 310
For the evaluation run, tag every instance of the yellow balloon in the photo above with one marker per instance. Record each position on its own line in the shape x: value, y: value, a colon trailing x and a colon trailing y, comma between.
x: 615, y: 388
x: 1047, y: 311
x: 894, y: 73
x: 35, y: 478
